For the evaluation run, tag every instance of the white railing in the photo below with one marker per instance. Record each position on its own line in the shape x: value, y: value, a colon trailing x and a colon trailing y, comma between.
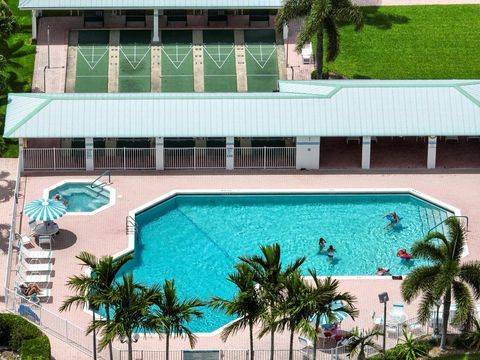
x: 265, y: 157
x: 194, y: 158
x: 124, y: 158
x: 53, y: 159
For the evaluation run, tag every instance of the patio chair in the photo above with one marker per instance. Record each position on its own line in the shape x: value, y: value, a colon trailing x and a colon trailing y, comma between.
x: 35, y: 255
x: 307, y: 347
x: 35, y: 267
x: 45, y: 240
x: 24, y: 240
x: 307, y: 53
x: 32, y: 224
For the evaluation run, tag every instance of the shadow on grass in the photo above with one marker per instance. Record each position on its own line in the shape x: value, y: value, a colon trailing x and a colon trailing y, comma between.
x: 382, y: 20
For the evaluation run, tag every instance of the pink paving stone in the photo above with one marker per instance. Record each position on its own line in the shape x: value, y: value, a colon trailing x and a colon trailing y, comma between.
x: 104, y: 233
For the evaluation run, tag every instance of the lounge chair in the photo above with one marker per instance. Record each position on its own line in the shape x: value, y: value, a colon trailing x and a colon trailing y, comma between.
x: 32, y: 278
x: 35, y: 255
x: 35, y: 267
x: 45, y: 294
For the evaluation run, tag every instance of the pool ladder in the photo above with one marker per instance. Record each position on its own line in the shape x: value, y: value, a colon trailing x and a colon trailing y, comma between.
x: 93, y: 185
x: 131, y: 226
x: 465, y: 218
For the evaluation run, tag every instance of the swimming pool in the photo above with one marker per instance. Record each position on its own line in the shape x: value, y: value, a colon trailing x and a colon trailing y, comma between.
x: 197, y: 239
x: 80, y: 197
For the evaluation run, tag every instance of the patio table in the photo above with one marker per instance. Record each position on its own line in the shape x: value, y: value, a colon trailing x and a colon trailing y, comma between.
x: 46, y: 229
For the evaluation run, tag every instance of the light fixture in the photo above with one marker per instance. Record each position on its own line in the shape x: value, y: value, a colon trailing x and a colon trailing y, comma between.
x: 383, y: 298
x: 135, y: 337
x: 124, y: 339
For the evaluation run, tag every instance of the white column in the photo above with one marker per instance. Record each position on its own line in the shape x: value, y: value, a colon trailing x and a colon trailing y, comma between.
x: 20, y: 154
x: 89, y: 154
x: 366, y: 149
x: 34, y: 24
x: 156, y: 38
x: 230, y: 159
x: 308, y: 152
x: 159, y: 154
x: 432, y: 152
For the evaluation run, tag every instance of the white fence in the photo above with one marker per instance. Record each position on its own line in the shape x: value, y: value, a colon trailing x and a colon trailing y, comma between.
x: 173, y: 158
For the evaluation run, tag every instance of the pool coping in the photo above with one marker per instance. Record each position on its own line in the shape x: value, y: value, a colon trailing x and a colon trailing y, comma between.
x: 410, y: 191
x: 111, y: 202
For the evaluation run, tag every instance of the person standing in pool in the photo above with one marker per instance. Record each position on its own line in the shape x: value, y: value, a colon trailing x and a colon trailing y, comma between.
x: 330, y: 252
x: 321, y: 243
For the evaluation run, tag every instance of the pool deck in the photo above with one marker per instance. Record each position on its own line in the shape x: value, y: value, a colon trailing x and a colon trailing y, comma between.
x: 104, y: 233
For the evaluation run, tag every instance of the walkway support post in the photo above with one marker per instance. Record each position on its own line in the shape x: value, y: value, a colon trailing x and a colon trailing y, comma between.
x: 20, y: 155
x: 308, y: 152
x: 89, y: 166
x: 34, y: 24
x: 159, y: 154
x: 366, y: 150
x: 155, y: 38
x: 230, y: 153
x: 432, y: 152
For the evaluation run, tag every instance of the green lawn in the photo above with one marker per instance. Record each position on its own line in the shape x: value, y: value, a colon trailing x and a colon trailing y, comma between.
x: 460, y: 357
x: 412, y: 42
x: 20, y: 53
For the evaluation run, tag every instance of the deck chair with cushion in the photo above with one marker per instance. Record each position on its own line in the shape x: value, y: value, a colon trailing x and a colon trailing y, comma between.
x: 35, y: 255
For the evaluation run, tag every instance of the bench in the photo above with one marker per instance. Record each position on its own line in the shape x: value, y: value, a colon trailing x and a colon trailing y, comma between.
x: 93, y: 16
x: 135, y: 16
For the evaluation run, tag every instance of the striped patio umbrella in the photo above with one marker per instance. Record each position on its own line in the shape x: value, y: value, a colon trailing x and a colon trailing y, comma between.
x: 45, y: 210
x: 337, y: 314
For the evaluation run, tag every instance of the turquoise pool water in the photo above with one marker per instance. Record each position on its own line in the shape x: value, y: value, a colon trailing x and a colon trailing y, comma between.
x: 197, y: 239
x: 81, y: 197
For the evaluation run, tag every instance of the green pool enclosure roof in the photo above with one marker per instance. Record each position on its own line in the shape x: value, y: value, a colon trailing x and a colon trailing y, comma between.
x: 301, y: 108
x: 147, y: 4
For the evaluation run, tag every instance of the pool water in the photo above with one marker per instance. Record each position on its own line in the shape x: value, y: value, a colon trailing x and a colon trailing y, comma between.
x: 197, y: 239
x: 81, y: 197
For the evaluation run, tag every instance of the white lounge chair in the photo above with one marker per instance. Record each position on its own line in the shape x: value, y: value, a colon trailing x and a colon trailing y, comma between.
x: 35, y: 255
x: 44, y: 293
x: 307, y: 53
x: 35, y: 267
x: 32, y: 278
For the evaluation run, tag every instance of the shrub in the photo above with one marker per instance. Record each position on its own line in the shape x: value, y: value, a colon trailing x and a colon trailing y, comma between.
x: 23, y: 337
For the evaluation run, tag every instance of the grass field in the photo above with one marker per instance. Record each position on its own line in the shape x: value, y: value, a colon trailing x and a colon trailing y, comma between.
x: 220, y: 73
x: 261, y: 60
x: 20, y: 54
x: 460, y: 357
x: 134, y: 66
x: 177, y: 61
x: 413, y: 42
x: 92, y: 61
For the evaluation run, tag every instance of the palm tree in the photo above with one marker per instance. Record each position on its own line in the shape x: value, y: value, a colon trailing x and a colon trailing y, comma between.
x: 292, y: 311
x: 7, y: 20
x: 321, y: 18
x: 246, y: 305
x: 444, y: 276
x: 268, y: 273
x: 322, y: 294
x: 93, y: 289
x: 360, y: 340
x: 132, y: 304
x: 171, y: 315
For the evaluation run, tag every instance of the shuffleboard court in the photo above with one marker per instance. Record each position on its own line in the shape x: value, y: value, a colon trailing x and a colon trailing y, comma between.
x: 177, y: 61
x: 134, y: 64
x: 219, y: 61
x: 92, y: 61
x: 261, y: 60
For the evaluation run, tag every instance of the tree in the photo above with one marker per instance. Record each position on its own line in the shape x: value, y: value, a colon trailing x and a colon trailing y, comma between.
x: 360, y: 340
x: 322, y: 17
x: 292, y: 311
x: 411, y: 349
x: 172, y: 315
x: 444, y: 277
x: 94, y: 288
x: 268, y: 273
x: 473, y: 337
x: 7, y: 20
x: 322, y: 294
x: 246, y: 304
x: 132, y: 312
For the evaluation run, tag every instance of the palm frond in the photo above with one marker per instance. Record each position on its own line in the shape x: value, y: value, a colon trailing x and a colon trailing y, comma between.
x: 465, y: 313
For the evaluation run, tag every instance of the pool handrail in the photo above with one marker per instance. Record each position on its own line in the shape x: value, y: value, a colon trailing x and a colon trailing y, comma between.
x: 131, y: 225
x: 452, y: 216
x: 106, y: 172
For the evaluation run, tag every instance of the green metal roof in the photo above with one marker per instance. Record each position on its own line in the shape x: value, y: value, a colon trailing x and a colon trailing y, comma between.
x: 147, y: 4
x: 301, y: 108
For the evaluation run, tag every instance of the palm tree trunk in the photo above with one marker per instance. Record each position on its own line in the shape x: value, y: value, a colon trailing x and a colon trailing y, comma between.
x: 272, y: 333
x: 110, y: 349
x: 167, y: 346
x: 319, y: 53
x: 447, y: 299
x: 315, y: 338
x: 94, y: 336
x: 290, y: 350
x: 130, y: 349
x: 250, y: 325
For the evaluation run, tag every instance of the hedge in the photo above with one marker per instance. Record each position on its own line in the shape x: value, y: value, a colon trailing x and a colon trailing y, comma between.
x: 23, y: 337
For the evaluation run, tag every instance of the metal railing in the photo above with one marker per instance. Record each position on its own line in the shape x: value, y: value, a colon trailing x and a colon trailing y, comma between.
x: 106, y: 172
x: 54, y: 159
x: 124, y: 158
x: 265, y: 157
x: 131, y: 225
x: 195, y: 158
x: 453, y: 216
